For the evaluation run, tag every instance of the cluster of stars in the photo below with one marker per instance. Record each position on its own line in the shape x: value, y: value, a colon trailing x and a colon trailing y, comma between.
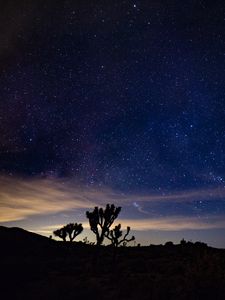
x: 129, y: 96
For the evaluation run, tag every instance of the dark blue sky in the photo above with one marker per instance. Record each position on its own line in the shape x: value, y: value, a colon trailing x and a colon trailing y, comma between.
x: 125, y: 95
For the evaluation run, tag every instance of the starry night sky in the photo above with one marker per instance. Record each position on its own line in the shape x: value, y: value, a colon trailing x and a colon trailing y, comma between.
x: 114, y: 101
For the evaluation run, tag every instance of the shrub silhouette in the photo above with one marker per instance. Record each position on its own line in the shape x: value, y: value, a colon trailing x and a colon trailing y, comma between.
x: 169, y: 244
x: 71, y: 230
x: 115, y: 234
x: 183, y: 242
x: 101, y: 219
x: 87, y: 242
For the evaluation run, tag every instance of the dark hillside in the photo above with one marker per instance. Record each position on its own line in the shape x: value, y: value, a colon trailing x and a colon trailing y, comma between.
x: 35, y: 267
x: 17, y: 241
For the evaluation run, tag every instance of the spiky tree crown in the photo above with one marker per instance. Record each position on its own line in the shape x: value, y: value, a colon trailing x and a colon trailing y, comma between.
x: 70, y: 230
x: 101, y: 219
x: 115, y: 234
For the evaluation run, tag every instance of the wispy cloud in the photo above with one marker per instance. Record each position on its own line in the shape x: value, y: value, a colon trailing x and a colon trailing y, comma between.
x: 21, y: 198
x: 175, y: 223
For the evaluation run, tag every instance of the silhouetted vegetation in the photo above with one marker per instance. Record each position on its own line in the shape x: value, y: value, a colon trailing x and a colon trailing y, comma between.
x: 100, y: 220
x: 41, y: 268
x: 115, y: 236
x: 61, y: 233
x: 169, y: 244
x: 87, y: 242
x: 71, y: 230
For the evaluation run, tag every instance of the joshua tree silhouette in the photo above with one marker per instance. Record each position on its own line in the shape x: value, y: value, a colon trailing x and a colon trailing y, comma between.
x: 72, y: 230
x: 116, y: 233
x: 101, y: 219
x: 61, y: 233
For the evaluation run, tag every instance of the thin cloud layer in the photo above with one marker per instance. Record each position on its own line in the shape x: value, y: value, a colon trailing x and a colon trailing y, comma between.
x: 176, y: 223
x: 21, y: 198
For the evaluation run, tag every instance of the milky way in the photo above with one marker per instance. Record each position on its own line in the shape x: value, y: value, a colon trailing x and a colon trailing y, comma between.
x: 126, y: 96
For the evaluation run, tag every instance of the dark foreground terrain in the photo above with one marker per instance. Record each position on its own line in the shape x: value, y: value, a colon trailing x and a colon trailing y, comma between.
x: 35, y: 267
